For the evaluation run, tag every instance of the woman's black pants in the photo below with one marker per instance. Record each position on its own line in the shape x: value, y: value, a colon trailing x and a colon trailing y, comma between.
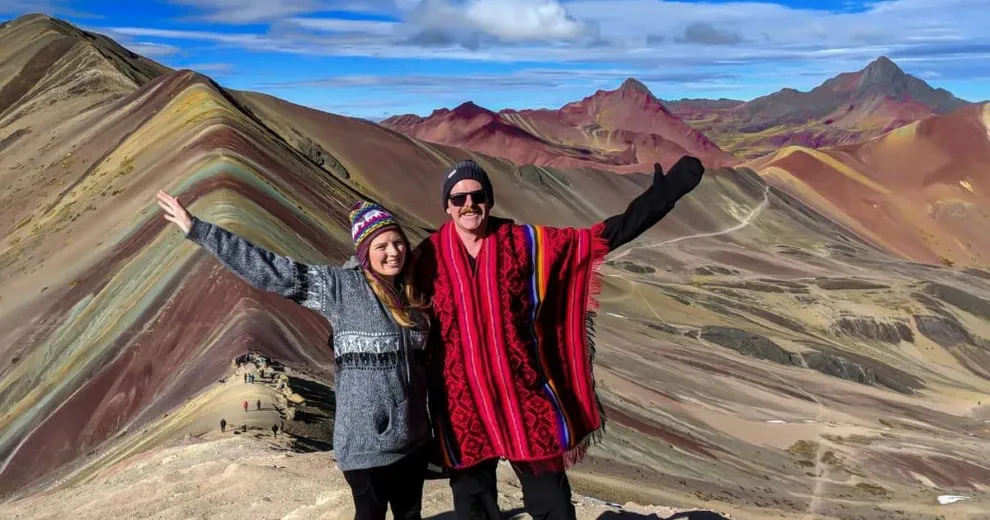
x: 399, y: 485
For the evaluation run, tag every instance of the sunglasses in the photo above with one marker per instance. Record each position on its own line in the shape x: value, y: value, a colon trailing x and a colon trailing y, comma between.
x: 459, y: 199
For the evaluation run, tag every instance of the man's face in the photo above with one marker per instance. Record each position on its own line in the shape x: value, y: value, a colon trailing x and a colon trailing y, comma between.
x: 468, y: 206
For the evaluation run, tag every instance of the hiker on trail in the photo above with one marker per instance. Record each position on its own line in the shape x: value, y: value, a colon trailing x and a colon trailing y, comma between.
x: 245, y: 406
x: 382, y: 431
x: 259, y: 405
x: 223, y: 425
x: 275, y: 430
x: 245, y: 377
x: 511, y: 370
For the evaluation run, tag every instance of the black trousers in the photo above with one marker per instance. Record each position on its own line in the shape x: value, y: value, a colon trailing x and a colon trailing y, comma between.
x: 546, y: 495
x: 399, y: 485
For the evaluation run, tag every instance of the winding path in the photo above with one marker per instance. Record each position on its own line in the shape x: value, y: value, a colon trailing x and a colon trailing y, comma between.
x: 742, y: 223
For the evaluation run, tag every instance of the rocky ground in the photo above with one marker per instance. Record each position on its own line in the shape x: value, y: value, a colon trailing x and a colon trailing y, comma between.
x: 253, y: 476
x: 249, y: 472
x: 181, y: 466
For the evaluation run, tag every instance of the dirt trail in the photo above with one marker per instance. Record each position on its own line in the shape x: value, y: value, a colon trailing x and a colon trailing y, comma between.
x: 742, y: 223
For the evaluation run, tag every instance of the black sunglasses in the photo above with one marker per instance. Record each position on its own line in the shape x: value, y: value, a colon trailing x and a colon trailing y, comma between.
x: 459, y: 199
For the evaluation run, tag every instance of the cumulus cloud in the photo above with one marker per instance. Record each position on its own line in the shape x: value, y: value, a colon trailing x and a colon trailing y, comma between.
x: 515, y: 20
x: 502, y: 20
x: 509, y: 21
x: 628, y: 33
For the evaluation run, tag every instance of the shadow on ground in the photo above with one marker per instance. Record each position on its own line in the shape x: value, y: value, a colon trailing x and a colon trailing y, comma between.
x: 608, y: 515
x: 685, y: 515
x: 312, y: 421
x: 315, y: 393
x: 450, y: 515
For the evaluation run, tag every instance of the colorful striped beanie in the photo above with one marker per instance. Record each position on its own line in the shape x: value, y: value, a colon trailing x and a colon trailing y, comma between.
x: 367, y: 220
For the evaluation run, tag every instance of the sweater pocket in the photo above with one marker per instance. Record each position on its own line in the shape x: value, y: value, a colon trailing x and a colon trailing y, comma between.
x: 397, y: 429
x: 372, y: 414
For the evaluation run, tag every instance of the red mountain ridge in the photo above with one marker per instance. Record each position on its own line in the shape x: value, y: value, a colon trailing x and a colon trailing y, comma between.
x: 624, y: 130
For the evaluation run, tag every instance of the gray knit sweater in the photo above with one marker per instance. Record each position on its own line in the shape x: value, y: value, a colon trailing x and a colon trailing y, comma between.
x: 380, y: 368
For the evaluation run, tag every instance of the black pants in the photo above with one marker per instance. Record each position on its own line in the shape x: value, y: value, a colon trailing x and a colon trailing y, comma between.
x: 546, y: 496
x: 399, y: 485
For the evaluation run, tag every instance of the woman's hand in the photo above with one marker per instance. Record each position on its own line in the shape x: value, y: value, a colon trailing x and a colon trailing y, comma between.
x: 174, y: 211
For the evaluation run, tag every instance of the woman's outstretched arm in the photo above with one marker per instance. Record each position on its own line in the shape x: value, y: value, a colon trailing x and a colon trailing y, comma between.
x: 304, y: 284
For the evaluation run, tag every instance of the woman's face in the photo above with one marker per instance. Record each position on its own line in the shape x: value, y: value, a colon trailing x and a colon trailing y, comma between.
x: 387, y: 253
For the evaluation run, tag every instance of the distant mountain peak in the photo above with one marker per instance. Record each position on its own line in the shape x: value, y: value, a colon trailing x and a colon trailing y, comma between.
x: 883, y: 71
x: 883, y: 61
x: 634, y: 85
x: 874, y: 99
x: 470, y: 109
x: 468, y: 105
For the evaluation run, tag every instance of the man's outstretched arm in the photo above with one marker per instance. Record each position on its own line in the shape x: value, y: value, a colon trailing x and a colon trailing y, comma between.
x: 653, y: 204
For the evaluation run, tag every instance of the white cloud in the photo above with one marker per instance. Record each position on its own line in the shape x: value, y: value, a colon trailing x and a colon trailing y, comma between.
x: 239, y: 38
x: 250, y: 11
x: 272, y: 11
x: 525, y: 79
x: 152, y: 50
x: 50, y: 7
x: 520, y: 20
x: 339, y: 25
x: 632, y: 33
x: 211, y: 68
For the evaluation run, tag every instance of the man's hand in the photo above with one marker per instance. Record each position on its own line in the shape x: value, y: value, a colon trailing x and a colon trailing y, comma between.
x: 658, y: 177
x: 684, y: 175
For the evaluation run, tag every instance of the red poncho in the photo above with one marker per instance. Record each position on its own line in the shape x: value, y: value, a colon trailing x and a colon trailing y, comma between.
x: 511, y: 360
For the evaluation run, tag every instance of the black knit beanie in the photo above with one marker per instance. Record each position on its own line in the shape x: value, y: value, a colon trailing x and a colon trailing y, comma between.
x: 467, y: 169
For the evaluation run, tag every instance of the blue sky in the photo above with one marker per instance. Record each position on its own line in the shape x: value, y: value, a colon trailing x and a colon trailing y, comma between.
x: 374, y: 58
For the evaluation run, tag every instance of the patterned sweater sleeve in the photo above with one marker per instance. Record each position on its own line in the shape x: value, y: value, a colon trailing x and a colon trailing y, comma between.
x: 307, y: 285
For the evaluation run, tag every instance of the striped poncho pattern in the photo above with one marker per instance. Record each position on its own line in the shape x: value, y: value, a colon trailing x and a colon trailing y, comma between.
x: 511, y: 361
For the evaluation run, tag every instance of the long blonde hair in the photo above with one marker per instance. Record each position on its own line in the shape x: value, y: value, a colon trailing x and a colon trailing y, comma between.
x: 408, y: 297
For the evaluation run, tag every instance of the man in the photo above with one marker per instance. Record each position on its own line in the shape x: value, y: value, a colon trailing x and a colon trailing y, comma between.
x: 511, y: 356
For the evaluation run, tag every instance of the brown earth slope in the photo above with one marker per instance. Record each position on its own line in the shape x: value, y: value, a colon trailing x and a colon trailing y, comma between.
x: 921, y: 191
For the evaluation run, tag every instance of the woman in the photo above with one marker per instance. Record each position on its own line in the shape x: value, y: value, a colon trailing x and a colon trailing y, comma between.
x: 379, y: 335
